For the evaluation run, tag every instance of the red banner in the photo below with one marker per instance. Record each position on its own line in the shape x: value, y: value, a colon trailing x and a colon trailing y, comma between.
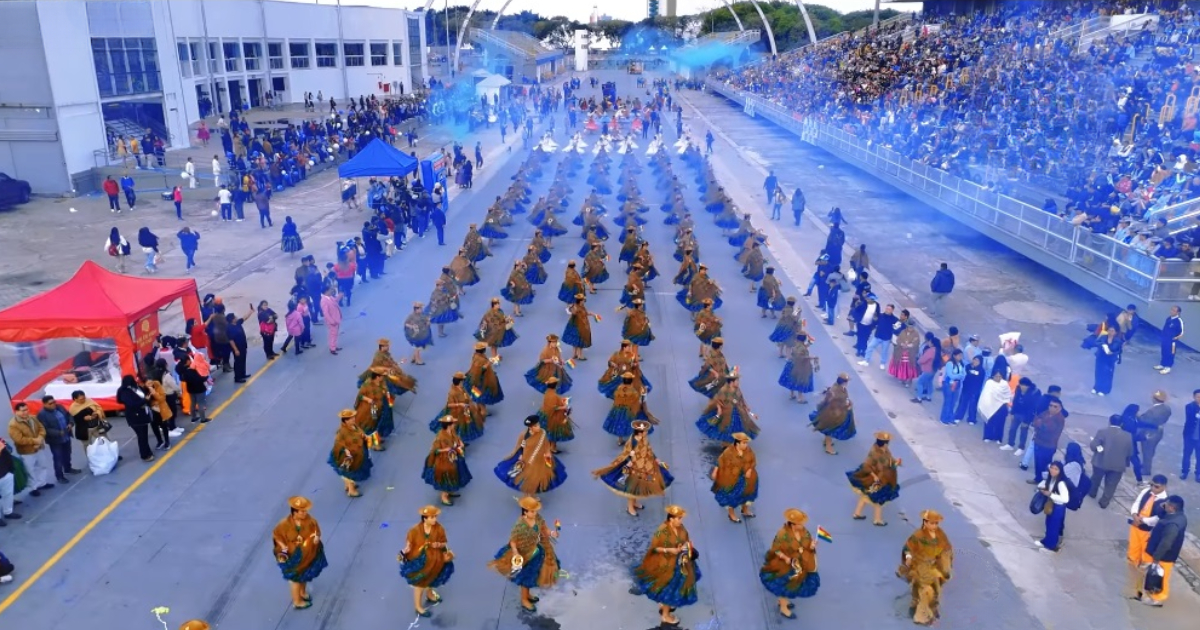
x: 145, y: 332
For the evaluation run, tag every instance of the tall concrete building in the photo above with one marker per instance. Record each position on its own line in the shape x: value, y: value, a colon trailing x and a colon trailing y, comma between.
x: 671, y: 8
x: 651, y: 9
x: 77, y: 72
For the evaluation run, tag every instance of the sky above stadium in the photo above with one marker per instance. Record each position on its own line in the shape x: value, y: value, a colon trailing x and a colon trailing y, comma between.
x: 632, y: 10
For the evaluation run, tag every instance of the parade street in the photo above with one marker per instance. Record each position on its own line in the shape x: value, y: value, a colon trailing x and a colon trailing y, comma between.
x: 192, y: 532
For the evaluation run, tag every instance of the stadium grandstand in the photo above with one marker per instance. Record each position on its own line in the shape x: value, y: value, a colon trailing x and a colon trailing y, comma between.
x: 1077, y: 120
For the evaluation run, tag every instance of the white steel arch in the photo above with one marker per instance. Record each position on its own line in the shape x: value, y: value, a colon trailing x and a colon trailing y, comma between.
x: 462, y: 30
x: 770, y: 33
x: 812, y: 33
x: 500, y: 13
x: 737, y: 19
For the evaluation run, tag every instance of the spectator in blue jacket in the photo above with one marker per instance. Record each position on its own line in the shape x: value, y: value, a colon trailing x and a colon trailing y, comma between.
x: 941, y: 286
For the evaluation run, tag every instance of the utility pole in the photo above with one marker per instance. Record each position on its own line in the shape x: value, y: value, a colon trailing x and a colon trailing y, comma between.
x: 875, y: 22
x: 342, y: 51
x: 265, y: 53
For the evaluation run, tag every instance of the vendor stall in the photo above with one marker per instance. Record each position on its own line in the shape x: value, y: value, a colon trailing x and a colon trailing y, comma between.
x: 112, y: 320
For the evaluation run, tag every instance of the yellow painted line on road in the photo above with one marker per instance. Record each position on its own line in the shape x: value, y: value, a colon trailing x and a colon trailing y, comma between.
x: 121, y: 498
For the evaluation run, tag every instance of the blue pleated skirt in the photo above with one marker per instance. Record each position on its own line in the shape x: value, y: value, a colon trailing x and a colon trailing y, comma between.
x: 387, y: 421
x: 413, y: 572
x: 672, y: 594
x: 448, y: 482
x: 421, y: 342
x: 780, y: 586
x: 736, y: 425
x: 736, y: 496
x: 883, y: 495
x: 843, y: 431
x: 785, y: 379
x: 358, y: 476
x: 507, y: 293
x: 448, y: 317
x: 318, y: 565
x: 502, y: 469
x: 564, y: 381
x: 528, y: 575
x: 488, y: 231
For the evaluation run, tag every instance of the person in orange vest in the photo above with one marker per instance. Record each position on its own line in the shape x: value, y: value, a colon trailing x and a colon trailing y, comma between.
x: 1144, y: 514
x: 1165, y: 544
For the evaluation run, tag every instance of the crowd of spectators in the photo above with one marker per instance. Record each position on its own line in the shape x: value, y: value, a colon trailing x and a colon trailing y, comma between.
x: 1006, y: 100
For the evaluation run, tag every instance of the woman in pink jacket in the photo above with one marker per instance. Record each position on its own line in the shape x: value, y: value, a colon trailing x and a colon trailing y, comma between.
x: 294, y: 323
x: 333, y: 317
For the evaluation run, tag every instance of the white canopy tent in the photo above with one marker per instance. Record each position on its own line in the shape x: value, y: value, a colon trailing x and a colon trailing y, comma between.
x: 492, y: 87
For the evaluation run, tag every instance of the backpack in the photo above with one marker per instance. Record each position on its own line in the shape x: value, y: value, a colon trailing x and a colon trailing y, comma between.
x: 1078, y: 492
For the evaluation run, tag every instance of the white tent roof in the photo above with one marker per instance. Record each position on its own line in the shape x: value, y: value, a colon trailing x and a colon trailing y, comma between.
x: 481, y: 73
x: 494, y: 81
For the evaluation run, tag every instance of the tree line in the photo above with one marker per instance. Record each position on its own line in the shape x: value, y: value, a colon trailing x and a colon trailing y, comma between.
x: 557, y: 31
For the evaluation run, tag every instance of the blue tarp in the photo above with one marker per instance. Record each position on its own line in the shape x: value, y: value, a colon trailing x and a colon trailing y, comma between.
x: 379, y: 159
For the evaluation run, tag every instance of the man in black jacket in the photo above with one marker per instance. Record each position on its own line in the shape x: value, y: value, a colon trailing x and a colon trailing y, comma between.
x: 886, y: 326
x: 1166, y: 541
x: 197, y: 389
x: 239, y: 345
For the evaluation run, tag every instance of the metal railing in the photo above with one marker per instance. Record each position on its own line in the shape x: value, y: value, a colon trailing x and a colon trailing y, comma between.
x: 1081, y: 29
x: 480, y: 34
x: 1117, y: 25
x: 1138, y: 274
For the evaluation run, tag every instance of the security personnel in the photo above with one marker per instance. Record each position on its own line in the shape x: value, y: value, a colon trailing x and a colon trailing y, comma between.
x: 1144, y: 515
x: 1172, y: 332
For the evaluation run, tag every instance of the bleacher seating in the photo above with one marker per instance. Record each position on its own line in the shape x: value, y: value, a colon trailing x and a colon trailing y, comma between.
x: 1102, y: 117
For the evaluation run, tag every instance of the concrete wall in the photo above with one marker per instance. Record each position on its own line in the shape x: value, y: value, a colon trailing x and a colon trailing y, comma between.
x: 72, y: 75
x: 29, y: 147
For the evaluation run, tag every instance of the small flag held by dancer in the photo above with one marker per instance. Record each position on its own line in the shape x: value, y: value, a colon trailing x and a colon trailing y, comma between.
x: 824, y: 535
x: 571, y: 363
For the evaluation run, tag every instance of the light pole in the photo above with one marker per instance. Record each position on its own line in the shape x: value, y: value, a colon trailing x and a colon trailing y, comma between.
x: 446, y: 23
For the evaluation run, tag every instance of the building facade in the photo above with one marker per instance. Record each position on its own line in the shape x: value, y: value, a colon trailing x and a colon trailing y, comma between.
x: 75, y: 72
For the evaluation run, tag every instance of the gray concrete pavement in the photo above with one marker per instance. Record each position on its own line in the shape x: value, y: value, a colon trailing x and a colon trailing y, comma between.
x: 194, y: 535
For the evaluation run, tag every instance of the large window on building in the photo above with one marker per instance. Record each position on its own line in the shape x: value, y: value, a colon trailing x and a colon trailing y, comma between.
x: 415, y: 54
x: 298, y: 51
x: 398, y: 53
x: 214, y: 57
x: 126, y: 66
x: 379, y: 54
x: 252, y: 52
x: 275, y: 55
x: 233, y: 56
x: 354, y: 54
x: 185, y: 58
x: 197, y: 57
x: 326, y: 55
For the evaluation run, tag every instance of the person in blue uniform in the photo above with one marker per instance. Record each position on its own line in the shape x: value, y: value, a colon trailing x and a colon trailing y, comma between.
x: 1172, y: 332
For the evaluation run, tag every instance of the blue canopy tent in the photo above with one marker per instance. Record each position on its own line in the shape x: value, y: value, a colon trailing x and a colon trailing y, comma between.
x: 379, y: 159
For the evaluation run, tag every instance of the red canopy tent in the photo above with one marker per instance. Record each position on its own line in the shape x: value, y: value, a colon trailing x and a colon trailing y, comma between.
x: 99, y: 304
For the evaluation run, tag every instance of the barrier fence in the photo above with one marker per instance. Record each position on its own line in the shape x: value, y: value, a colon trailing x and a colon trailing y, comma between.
x: 1138, y: 274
